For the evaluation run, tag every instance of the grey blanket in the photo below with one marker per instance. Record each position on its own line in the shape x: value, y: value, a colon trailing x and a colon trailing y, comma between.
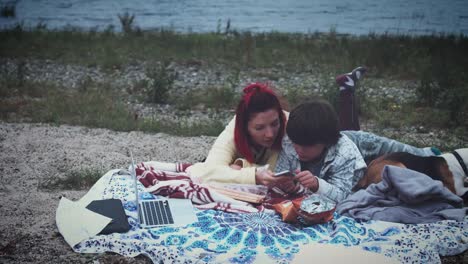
x: 404, y: 196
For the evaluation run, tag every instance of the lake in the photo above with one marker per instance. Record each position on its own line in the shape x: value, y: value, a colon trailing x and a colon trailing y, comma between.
x: 409, y: 17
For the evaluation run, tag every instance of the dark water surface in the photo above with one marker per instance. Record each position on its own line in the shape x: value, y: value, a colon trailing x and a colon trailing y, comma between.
x: 410, y: 17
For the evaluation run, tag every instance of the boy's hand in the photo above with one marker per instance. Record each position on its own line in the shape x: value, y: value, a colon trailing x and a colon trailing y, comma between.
x: 308, y: 180
x: 288, y: 186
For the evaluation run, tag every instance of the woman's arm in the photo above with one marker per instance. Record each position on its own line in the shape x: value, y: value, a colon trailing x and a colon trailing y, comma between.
x: 217, y: 164
x: 223, y: 154
x: 223, y: 151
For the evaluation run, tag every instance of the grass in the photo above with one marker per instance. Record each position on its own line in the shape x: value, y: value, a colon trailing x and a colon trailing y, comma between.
x: 98, y: 105
x: 212, y: 97
x: 436, y: 63
x: 73, y: 180
x: 402, y: 56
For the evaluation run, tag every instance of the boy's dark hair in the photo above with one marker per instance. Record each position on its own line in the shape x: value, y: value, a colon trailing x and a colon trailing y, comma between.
x: 313, y: 122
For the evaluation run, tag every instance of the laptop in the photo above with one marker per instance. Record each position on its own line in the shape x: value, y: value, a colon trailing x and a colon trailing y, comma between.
x: 162, y: 212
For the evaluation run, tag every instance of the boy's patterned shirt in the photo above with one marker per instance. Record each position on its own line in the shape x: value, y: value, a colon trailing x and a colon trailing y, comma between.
x: 342, y: 168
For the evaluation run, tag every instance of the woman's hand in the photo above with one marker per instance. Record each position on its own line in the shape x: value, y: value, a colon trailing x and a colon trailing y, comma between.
x: 308, y: 180
x: 235, y: 166
x: 265, y: 177
x: 268, y: 178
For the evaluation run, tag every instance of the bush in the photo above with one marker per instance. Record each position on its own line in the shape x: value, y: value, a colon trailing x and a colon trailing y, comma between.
x: 8, y: 9
x: 296, y: 95
x: 221, y: 98
x: 225, y: 97
x: 126, y: 21
x: 443, y: 88
x: 160, y: 83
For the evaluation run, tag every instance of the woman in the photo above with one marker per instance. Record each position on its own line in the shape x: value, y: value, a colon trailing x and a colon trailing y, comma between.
x: 252, y: 139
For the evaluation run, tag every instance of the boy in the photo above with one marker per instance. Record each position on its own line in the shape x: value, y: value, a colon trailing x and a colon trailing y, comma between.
x: 324, y: 160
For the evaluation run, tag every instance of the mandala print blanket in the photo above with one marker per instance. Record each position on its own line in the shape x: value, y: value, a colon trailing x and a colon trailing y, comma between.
x: 228, y: 232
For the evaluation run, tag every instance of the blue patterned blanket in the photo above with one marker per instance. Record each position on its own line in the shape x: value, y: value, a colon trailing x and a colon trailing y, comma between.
x: 221, y: 237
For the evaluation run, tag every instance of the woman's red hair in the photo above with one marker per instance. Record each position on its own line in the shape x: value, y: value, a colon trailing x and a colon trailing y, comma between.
x: 257, y: 97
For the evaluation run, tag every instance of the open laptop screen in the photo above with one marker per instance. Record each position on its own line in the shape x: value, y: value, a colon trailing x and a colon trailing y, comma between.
x: 164, y: 212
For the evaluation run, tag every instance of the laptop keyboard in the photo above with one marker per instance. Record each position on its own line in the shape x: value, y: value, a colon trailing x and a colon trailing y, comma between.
x: 156, y: 213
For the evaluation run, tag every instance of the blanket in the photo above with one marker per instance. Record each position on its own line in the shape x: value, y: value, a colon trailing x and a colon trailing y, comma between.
x: 220, y: 236
x: 178, y: 184
x: 404, y: 196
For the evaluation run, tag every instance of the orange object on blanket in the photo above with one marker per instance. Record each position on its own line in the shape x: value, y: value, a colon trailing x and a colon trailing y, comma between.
x: 293, y: 210
x: 288, y: 210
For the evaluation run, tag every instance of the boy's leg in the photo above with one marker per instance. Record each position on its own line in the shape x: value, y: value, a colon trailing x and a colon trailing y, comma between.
x: 348, y: 114
x: 372, y: 146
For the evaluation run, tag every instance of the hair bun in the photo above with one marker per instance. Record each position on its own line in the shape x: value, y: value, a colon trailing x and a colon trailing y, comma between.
x: 254, y: 87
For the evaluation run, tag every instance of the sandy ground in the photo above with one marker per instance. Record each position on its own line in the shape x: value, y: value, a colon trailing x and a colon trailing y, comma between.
x: 32, y: 154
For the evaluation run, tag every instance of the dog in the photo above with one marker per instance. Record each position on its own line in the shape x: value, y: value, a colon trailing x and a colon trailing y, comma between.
x: 449, y: 168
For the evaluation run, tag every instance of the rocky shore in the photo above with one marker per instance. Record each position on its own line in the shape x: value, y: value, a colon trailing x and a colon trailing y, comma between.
x: 191, y: 76
x: 197, y: 75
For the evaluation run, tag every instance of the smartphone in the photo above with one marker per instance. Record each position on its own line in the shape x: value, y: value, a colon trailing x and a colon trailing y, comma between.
x: 284, y: 173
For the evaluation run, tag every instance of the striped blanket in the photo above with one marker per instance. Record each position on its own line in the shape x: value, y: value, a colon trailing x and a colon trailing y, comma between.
x: 178, y: 184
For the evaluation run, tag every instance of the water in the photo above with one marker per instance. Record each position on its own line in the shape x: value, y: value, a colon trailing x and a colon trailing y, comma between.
x: 410, y: 17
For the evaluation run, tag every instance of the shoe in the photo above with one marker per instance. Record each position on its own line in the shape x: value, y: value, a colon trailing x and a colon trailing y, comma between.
x: 349, y: 80
x: 358, y: 72
x: 436, y: 151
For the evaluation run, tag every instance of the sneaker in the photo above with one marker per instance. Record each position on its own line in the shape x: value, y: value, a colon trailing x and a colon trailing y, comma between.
x: 436, y: 151
x: 349, y: 80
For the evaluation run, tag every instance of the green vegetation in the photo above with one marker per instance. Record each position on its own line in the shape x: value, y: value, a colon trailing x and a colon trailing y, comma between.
x: 73, y: 180
x: 160, y: 83
x: 436, y: 63
x: 8, y: 9
x: 126, y: 20
x: 92, y: 105
x: 396, y: 56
